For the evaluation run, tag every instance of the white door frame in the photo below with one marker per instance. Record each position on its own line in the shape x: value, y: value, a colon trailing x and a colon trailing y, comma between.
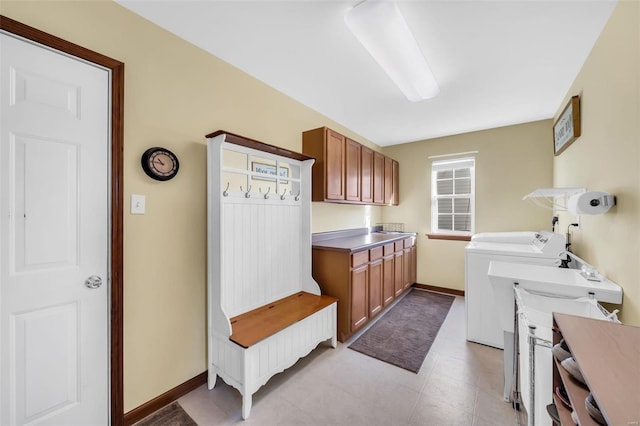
x: 116, y: 298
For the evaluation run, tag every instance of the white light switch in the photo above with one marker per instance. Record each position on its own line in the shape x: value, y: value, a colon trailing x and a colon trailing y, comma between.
x: 137, y: 204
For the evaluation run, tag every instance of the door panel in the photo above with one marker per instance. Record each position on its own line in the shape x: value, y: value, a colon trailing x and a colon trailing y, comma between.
x: 378, y: 178
x: 366, y: 184
x: 359, y: 297
x: 44, y: 90
x: 46, y: 198
x: 353, y: 170
x: 375, y: 287
x: 335, y: 164
x: 54, y: 234
x: 388, y: 280
x: 398, y: 269
x: 48, y: 380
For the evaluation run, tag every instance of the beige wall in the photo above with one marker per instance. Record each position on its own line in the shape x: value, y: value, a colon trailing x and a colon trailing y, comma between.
x: 606, y: 157
x: 175, y: 94
x: 511, y: 162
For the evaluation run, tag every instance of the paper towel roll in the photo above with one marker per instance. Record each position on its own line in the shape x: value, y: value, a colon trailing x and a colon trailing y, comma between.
x: 591, y: 202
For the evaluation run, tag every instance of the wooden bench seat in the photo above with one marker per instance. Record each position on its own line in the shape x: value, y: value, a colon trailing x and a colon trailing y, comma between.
x: 251, y: 327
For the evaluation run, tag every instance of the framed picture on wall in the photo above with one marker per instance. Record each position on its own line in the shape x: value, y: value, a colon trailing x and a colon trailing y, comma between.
x: 567, y: 128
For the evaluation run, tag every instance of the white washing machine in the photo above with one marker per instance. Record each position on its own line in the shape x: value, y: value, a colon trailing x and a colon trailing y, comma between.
x: 538, y: 248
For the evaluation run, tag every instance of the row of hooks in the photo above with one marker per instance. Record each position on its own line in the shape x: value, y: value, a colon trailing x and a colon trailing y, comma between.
x: 266, y: 195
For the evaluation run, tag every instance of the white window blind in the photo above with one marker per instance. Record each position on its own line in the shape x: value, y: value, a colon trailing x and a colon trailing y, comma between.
x: 453, y: 196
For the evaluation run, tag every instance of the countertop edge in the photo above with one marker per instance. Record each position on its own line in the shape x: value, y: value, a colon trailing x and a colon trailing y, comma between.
x: 389, y: 238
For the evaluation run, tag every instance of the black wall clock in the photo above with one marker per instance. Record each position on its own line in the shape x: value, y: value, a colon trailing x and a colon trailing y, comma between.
x: 160, y: 163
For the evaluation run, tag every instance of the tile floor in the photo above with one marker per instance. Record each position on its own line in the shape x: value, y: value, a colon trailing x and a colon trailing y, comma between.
x: 460, y: 383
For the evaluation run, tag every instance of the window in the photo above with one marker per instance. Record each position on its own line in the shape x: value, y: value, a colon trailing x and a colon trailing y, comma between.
x: 453, y: 196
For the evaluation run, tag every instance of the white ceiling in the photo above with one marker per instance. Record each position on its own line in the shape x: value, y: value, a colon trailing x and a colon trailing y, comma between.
x: 497, y: 62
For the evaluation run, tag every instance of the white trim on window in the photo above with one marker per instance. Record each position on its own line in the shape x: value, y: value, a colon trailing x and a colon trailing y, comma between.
x: 453, y: 196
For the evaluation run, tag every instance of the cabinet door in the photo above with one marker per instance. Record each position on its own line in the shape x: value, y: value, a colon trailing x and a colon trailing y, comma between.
x: 414, y: 265
x: 395, y: 173
x: 335, y: 165
x: 406, y: 269
x: 366, y: 175
x: 353, y: 160
x: 388, y: 180
x: 398, y: 269
x: 359, y: 297
x: 378, y: 178
x: 375, y: 287
x: 388, y: 280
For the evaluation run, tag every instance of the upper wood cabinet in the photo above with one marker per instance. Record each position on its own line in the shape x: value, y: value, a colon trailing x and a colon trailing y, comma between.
x: 328, y: 172
x: 335, y: 165
x: 353, y: 170
x: 345, y: 171
x: 391, y: 181
x: 378, y: 178
x: 395, y: 182
x: 388, y: 180
x: 366, y: 175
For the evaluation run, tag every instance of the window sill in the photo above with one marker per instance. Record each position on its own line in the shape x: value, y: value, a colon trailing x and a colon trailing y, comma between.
x: 449, y: 237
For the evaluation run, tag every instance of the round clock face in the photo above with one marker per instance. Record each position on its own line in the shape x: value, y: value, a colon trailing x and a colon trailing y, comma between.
x: 160, y: 163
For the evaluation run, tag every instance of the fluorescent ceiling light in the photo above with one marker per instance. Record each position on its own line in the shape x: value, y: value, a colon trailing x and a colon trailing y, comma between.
x: 382, y: 30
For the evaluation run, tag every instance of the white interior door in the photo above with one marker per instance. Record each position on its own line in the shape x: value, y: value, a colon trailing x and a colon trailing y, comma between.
x: 54, y: 235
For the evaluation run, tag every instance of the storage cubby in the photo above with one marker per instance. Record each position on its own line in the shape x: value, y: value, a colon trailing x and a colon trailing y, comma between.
x: 608, y: 354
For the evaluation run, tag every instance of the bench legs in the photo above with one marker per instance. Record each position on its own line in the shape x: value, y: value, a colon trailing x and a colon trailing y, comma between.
x: 246, y: 406
x: 211, y: 380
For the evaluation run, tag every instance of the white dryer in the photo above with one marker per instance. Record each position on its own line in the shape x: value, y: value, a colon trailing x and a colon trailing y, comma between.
x: 537, y: 248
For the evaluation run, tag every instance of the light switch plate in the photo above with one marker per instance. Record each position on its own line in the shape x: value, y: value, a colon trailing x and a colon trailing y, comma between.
x: 137, y: 204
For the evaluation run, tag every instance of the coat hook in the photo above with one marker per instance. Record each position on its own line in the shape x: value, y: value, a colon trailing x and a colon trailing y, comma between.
x: 283, y: 193
x: 248, y: 193
x: 266, y: 194
x: 225, y: 193
x: 298, y: 196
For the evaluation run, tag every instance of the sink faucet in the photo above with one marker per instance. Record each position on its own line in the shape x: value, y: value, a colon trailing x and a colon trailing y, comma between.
x: 564, y: 263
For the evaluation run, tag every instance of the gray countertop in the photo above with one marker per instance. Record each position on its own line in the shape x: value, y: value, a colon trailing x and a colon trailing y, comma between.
x: 354, y: 243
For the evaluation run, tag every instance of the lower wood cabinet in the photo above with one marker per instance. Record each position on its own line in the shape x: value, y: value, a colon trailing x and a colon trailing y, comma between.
x: 375, y: 282
x: 359, y: 296
x: 365, y: 282
x: 398, y: 283
x: 388, y: 284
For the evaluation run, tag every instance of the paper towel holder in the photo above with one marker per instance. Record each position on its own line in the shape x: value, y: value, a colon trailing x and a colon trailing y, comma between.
x: 591, y: 202
x: 553, y: 198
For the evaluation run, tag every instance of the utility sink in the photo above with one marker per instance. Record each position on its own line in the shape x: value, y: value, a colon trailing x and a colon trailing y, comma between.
x: 561, y: 282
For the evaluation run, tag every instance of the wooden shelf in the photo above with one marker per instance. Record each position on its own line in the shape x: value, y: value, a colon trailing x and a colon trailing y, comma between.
x: 609, y: 358
x: 563, y: 411
x: 577, y: 395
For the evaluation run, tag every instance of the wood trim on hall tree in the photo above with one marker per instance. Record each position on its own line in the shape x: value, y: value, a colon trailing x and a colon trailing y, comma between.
x: 117, y: 191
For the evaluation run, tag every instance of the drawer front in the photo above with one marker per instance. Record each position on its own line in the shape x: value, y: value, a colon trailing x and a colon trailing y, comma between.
x: 359, y: 258
x: 409, y: 242
x: 399, y: 245
x: 375, y: 253
x: 388, y: 249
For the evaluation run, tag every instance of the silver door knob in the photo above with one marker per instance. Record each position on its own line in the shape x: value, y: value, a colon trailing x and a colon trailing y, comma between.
x: 93, y: 282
